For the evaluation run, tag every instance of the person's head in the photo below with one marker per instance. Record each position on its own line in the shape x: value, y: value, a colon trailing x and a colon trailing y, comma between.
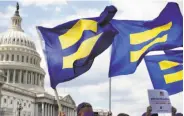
x: 179, y: 114
x: 85, y: 109
x: 123, y: 114
x: 151, y: 114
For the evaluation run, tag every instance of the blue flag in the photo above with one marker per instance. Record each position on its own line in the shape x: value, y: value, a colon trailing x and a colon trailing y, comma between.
x: 137, y: 38
x: 166, y: 71
x: 70, y: 48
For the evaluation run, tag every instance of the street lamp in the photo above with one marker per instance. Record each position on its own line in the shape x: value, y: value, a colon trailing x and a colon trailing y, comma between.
x: 19, y: 108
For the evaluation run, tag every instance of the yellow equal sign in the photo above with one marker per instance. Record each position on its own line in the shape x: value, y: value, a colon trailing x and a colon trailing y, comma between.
x: 141, y: 37
x: 173, y: 77
x: 73, y: 35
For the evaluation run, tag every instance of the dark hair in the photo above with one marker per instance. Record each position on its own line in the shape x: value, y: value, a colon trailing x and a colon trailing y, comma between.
x: 83, y: 105
x: 123, y: 114
x: 154, y: 115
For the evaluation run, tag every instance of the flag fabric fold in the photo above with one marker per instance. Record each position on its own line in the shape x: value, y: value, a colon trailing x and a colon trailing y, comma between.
x: 166, y: 71
x: 136, y: 38
x: 70, y: 48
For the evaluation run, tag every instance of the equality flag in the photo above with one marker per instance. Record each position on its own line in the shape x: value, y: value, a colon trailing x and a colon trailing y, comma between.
x: 137, y: 38
x: 166, y: 71
x: 70, y: 48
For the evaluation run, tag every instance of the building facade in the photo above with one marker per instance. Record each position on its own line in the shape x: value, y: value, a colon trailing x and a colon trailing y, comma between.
x: 23, y: 92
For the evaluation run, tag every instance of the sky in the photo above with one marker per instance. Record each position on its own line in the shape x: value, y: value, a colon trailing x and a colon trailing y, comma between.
x: 129, y: 92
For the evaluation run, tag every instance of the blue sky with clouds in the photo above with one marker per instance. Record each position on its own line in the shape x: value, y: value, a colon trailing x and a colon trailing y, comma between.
x: 129, y: 92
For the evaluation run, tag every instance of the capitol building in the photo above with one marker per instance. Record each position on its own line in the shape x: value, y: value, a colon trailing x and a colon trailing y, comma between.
x: 22, y: 90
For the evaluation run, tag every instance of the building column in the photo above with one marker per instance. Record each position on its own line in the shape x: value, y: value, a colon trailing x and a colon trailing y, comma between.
x: 14, y: 74
x: 46, y: 110
x: 36, y: 109
x: 8, y: 76
x: 20, y: 75
x: 43, y: 109
x: 31, y: 78
x: 51, y: 110
x: 25, y: 78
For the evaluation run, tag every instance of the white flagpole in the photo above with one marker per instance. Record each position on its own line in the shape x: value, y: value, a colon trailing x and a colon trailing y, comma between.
x: 110, y: 95
x: 58, y: 101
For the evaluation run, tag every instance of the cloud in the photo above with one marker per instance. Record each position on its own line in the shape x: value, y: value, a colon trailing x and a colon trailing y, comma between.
x: 42, y: 2
x: 141, y: 9
x: 79, y: 14
x: 7, y: 14
x: 58, y: 9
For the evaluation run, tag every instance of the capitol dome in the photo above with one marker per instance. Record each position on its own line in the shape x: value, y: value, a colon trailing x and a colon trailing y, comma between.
x: 19, y: 59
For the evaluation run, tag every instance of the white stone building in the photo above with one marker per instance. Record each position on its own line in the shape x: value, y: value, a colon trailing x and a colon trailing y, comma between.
x: 24, y: 85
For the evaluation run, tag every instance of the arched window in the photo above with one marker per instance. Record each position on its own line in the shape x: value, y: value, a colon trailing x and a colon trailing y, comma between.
x: 13, y: 40
x: 17, y: 41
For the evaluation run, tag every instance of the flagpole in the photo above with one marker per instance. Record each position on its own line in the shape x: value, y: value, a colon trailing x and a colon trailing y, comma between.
x: 58, y: 101
x: 110, y: 95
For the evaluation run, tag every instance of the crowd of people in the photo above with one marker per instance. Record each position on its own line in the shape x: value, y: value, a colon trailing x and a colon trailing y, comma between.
x: 85, y: 109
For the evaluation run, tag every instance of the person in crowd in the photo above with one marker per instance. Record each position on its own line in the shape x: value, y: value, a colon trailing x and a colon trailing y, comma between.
x: 149, y: 109
x: 123, y: 114
x: 179, y: 114
x: 85, y: 109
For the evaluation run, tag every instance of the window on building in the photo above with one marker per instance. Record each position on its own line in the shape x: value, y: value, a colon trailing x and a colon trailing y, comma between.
x: 27, y: 59
x: 17, y: 40
x: 22, y: 77
x: 2, y: 57
x: 22, y: 58
x: 17, y: 57
x: 31, y: 60
x: 4, y: 100
x: 12, y: 59
x: 5, y: 73
x: 7, y: 57
x: 11, y: 102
